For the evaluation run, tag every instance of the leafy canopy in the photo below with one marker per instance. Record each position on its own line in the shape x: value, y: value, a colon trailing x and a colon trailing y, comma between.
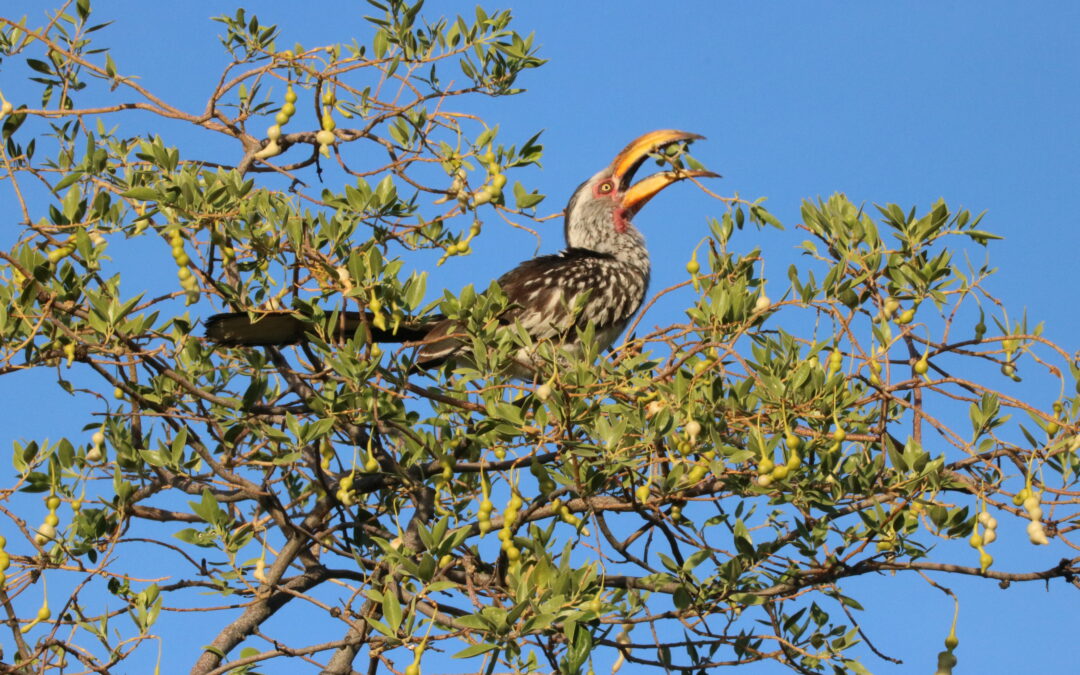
x: 698, y: 497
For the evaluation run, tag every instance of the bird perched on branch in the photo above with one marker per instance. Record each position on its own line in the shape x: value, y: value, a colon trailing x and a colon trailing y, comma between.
x: 600, y: 278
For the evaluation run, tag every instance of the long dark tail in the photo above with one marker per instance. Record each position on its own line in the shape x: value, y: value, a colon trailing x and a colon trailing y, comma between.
x: 285, y: 328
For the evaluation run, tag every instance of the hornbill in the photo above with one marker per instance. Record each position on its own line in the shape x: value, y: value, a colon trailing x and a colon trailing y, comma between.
x: 605, y: 258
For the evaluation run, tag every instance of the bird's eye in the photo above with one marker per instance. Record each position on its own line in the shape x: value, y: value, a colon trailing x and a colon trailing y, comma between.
x: 606, y: 187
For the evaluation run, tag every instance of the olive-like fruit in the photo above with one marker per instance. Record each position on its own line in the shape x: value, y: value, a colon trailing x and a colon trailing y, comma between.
x: 325, y: 137
x: 642, y: 493
x: 693, y: 428
x: 693, y: 267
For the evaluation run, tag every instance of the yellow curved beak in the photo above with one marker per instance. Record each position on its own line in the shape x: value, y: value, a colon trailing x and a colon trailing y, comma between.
x: 628, y: 161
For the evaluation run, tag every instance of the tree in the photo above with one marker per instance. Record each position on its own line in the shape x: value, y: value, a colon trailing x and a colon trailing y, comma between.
x: 697, y: 497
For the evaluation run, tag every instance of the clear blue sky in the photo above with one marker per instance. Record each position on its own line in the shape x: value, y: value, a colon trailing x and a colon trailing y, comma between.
x: 974, y: 102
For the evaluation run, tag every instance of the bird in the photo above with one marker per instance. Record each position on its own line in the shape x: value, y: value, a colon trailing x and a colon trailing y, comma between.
x: 600, y: 278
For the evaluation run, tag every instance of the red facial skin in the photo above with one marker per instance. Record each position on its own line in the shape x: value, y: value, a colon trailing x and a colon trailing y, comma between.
x: 606, y: 190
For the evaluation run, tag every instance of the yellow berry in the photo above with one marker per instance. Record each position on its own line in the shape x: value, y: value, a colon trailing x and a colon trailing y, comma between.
x: 693, y: 428
x: 693, y: 267
x: 45, y: 533
x: 325, y: 137
x: 890, y: 307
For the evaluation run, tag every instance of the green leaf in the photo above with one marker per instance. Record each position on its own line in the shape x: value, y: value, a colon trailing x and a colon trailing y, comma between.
x: 143, y: 194
x: 473, y: 650
x: 392, y: 611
